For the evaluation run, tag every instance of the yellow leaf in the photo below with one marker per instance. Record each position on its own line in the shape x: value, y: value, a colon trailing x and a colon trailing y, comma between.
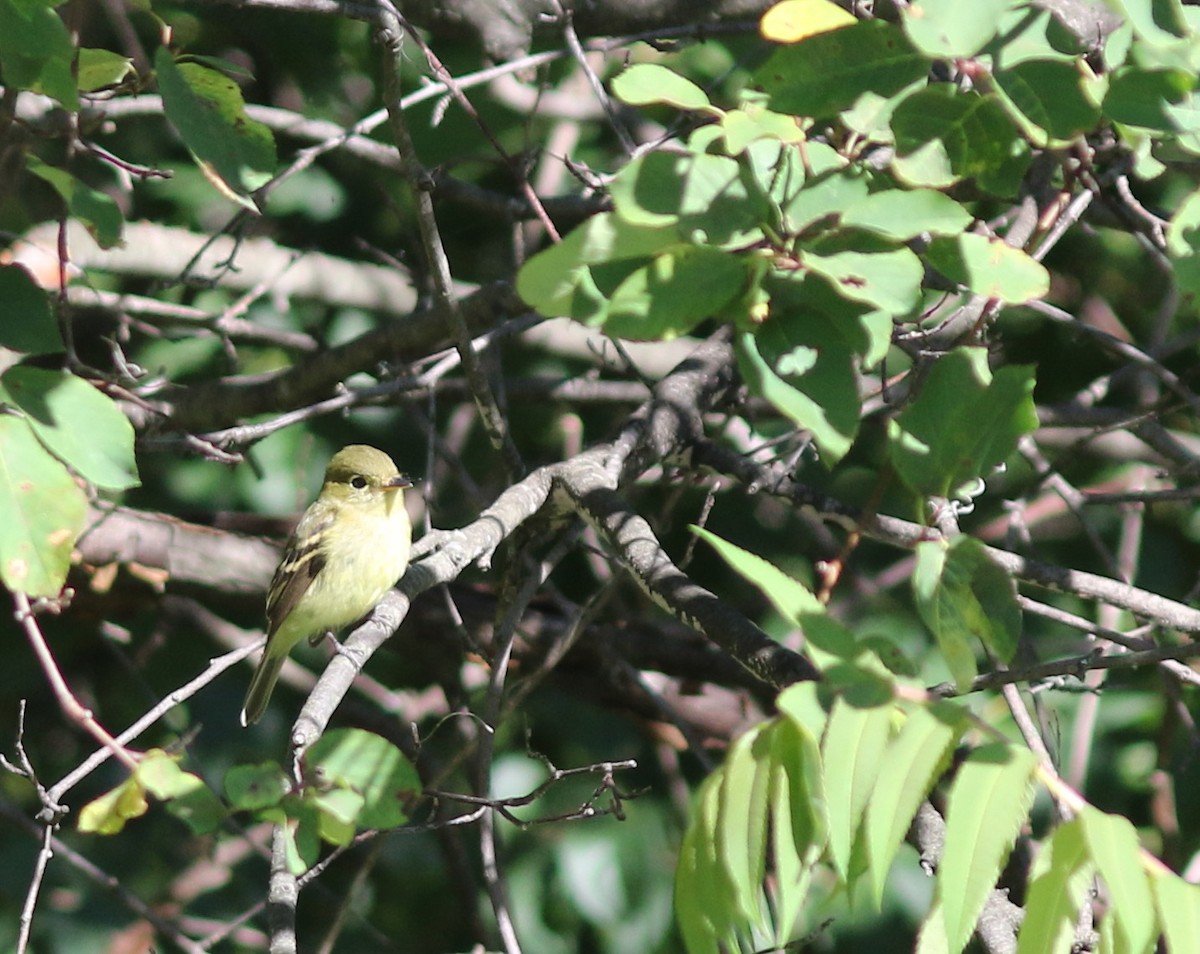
x: 107, y: 814
x: 794, y: 20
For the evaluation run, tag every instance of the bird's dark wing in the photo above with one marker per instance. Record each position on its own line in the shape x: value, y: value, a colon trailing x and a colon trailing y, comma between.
x: 303, y: 559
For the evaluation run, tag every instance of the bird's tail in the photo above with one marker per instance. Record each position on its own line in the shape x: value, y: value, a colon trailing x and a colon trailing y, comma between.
x: 261, y: 684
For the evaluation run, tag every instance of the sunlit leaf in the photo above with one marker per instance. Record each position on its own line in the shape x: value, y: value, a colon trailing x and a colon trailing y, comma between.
x: 42, y: 511
x: 988, y: 803
x: 793, y: 20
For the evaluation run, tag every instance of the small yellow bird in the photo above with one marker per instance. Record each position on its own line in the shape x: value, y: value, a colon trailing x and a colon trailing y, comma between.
x: 349, y: 549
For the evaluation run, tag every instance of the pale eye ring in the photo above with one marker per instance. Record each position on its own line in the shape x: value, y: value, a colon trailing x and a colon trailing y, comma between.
x: 358, y: 483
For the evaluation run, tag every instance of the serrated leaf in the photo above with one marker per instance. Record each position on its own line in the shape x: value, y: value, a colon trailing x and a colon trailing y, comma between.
x: 82, y: 426
x: 798, y: 829
x: 793, y: 20
x: 904, y: 214
x: 988, y: 803
x: 1061, y: 876
x: 1178, y: 905
x: 702, y: 891
x: 801, y: 703
x: 989, y: 267
x: 946, y: 29
x: 907, y: 772
x: 644, y: 84
x: 964, y: 422
x: 372, y: 767
x: 207, y: 110
x: 932, y: 937
x: 28, y: 324
x: 42, y: 511
x: 99, y: 213
x: 742, y: 822
x: 851, y: 752
x: 1114, y: 847
x: 791, y: 597
x: 824, y: 74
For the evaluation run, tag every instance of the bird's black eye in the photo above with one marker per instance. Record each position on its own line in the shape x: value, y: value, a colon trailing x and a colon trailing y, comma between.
x: 358, y: 482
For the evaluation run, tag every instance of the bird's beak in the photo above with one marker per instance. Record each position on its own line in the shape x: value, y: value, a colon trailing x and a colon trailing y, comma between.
x: 398, y: 482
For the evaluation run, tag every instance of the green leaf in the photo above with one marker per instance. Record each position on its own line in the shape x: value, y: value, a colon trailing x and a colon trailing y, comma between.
x: 647, y: 83
x: 302, y: 833
x: 946, y: 610
x: 1047, y: 98
x: 558, y: 281
x: 988, y: 803
x: 370, y: 766
x: 1178, y: 905
x: 98, y: 212
x: 82, y: 426
x: 1058, y: 883
x: 944, y: 135
x: 184, y: 794
x: 207, y: 110
x: 791, y: 597
x: 1141, y: 97
x: 754, y: 122
x: 28, y: 323
x: 703, y: 196
x: 673, y: 293
x: 990, y: 267
x: 824, y: 74
x: 36, y: 51
x: 946, y: 29
x: 826, y: 194
x: 101, y: 68
x: 1183, y: 244
x: 963, y: 423
x: 959, y: 593
x: 852, y: 750
x: 338, y: 813
x: 42, y: 511
x: 829, y: 413
x: 742, y: 821
x: 903, y: 214
x: 702, y: 890
x: 889, y: 281
x: 907, y: 772
x: 1114, y: 847
x: 794, y: 751
x: 798, y: 830
x: 254, y: 787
